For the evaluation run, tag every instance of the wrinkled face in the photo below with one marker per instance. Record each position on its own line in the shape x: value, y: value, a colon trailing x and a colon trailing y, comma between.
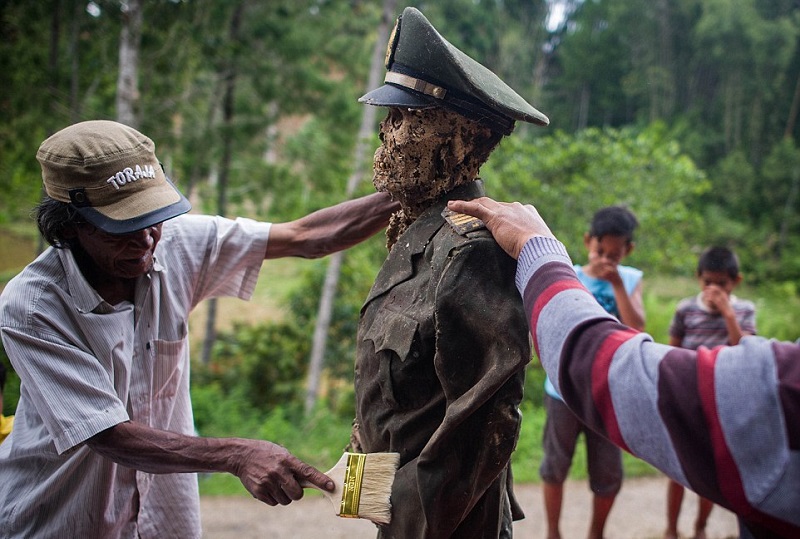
x: 125, y: 256
x: 416, y: 151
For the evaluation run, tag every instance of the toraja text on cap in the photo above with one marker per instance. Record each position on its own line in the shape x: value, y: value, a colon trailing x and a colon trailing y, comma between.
x: 109, y: 172
x: 129, y: 175
x: 425, y: 70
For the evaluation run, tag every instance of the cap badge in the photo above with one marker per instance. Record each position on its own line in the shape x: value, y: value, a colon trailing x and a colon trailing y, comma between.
x: 393, y: 38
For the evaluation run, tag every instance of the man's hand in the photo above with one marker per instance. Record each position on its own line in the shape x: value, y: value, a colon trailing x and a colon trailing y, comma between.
x: 271, y: 474
x: 268, y: 471
x: 511, y: 223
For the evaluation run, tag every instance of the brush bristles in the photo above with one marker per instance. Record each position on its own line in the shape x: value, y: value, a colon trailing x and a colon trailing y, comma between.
x: 371, y: 498
x: 376, y: 487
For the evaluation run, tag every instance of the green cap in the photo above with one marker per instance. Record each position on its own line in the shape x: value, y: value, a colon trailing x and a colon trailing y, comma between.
x: 425, y: 70
x: 110, y: 174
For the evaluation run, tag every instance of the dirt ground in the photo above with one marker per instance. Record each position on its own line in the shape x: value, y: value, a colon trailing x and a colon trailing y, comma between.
x: 639, y: 513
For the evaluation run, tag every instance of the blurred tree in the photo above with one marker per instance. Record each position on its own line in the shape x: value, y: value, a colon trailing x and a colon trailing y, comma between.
x: 330, y: 284
x: 130, y: 38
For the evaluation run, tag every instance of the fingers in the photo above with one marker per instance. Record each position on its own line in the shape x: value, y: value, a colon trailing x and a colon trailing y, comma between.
x: 482, y: 208
x: 274, y: 492
x: 311, y: 475
x: 273, y: 475
x: 511, y: 224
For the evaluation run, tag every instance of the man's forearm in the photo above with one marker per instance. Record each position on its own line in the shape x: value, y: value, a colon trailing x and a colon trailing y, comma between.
x: 137, y: 446
x: 268, y: 471
x: 331, y: 229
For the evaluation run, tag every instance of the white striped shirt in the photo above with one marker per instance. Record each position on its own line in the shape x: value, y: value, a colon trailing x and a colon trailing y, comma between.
x: 86, y: 366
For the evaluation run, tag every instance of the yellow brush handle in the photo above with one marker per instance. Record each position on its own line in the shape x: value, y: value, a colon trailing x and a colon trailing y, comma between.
x: 351, y: 490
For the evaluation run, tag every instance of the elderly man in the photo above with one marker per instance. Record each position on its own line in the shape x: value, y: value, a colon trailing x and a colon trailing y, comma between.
x: 96, y: 328
x: 442, y: 339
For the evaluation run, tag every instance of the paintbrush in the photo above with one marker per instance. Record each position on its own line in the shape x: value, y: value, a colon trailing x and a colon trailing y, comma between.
x: 363, y: 484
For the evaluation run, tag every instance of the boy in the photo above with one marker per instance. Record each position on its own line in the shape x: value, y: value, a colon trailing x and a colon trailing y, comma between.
x: 713, y: 318
x: 619, y: 290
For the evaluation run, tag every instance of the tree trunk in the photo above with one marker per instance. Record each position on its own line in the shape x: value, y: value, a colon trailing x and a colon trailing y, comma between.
x: 666, y: 73
x: 583, y: 107
x: 128, y: 82
x: 74, y: 68
x: 229, y: 77
x: 788, y: 213
x: 793, y: 110
x: 52, y: 68
x: 365, y: 132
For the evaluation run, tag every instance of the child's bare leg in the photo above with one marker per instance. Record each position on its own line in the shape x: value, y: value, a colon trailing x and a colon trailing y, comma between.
x: 553, y: 496
x: 674, y: 500
x: 703, y: 510
x: 601, y: 509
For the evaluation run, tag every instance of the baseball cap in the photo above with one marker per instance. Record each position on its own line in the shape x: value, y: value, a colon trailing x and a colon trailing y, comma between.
x: 109, y: 173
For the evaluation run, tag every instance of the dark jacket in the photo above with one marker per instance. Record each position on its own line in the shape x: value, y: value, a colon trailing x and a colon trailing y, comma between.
x: 442, y: 346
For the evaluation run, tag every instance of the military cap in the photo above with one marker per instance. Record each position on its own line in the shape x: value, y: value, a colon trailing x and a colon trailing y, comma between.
x: 110, y: 174
x: 425, y: 70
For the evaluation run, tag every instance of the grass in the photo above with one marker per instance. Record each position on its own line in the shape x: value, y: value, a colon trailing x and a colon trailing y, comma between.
x: 321, y: 441
x: 277, y: 280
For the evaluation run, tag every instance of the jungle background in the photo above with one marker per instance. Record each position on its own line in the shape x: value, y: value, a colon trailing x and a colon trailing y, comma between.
x: 684, y: 110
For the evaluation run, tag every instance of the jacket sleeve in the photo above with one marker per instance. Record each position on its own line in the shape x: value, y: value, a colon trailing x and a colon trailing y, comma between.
x: 482, y: 347
x: 680, y: 410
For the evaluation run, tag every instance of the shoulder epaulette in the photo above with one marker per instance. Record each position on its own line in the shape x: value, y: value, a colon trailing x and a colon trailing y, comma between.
x: 461, y: 222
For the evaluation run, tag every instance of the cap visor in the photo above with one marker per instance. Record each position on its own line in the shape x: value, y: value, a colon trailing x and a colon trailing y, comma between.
x: 392, y: 96
x: 111, y: 226
x: 148, y: 208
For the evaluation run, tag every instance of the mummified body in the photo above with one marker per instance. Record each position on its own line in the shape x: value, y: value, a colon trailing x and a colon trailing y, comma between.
x: 442, y: 340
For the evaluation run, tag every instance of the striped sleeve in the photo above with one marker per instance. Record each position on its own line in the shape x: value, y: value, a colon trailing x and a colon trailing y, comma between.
x: 723, y: 421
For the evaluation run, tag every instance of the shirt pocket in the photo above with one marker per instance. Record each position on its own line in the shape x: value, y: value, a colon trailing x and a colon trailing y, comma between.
x: 405, y: 374
x: 169, y: 365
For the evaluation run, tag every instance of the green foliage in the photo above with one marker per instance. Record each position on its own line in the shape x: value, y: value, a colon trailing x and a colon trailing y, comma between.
x: 220, y: 413
x: 569, y: 177
x: 265, y: 364
x: 319, y: 440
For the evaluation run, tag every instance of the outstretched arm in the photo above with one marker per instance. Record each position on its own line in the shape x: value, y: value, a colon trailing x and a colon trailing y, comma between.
x: 331, y: 229
x: 268, y: 471
x: 680, y: 410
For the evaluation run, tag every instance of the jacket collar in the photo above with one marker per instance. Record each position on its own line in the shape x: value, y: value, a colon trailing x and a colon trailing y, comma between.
x: 398, y: 266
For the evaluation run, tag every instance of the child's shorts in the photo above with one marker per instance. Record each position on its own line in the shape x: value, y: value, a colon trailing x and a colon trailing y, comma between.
x: 561, y: 432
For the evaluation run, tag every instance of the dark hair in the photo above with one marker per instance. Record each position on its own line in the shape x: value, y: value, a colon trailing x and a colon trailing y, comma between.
x: 613, y: 221
x: 54, y: 218
x: 2, y: 377
x: 719, y: 259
